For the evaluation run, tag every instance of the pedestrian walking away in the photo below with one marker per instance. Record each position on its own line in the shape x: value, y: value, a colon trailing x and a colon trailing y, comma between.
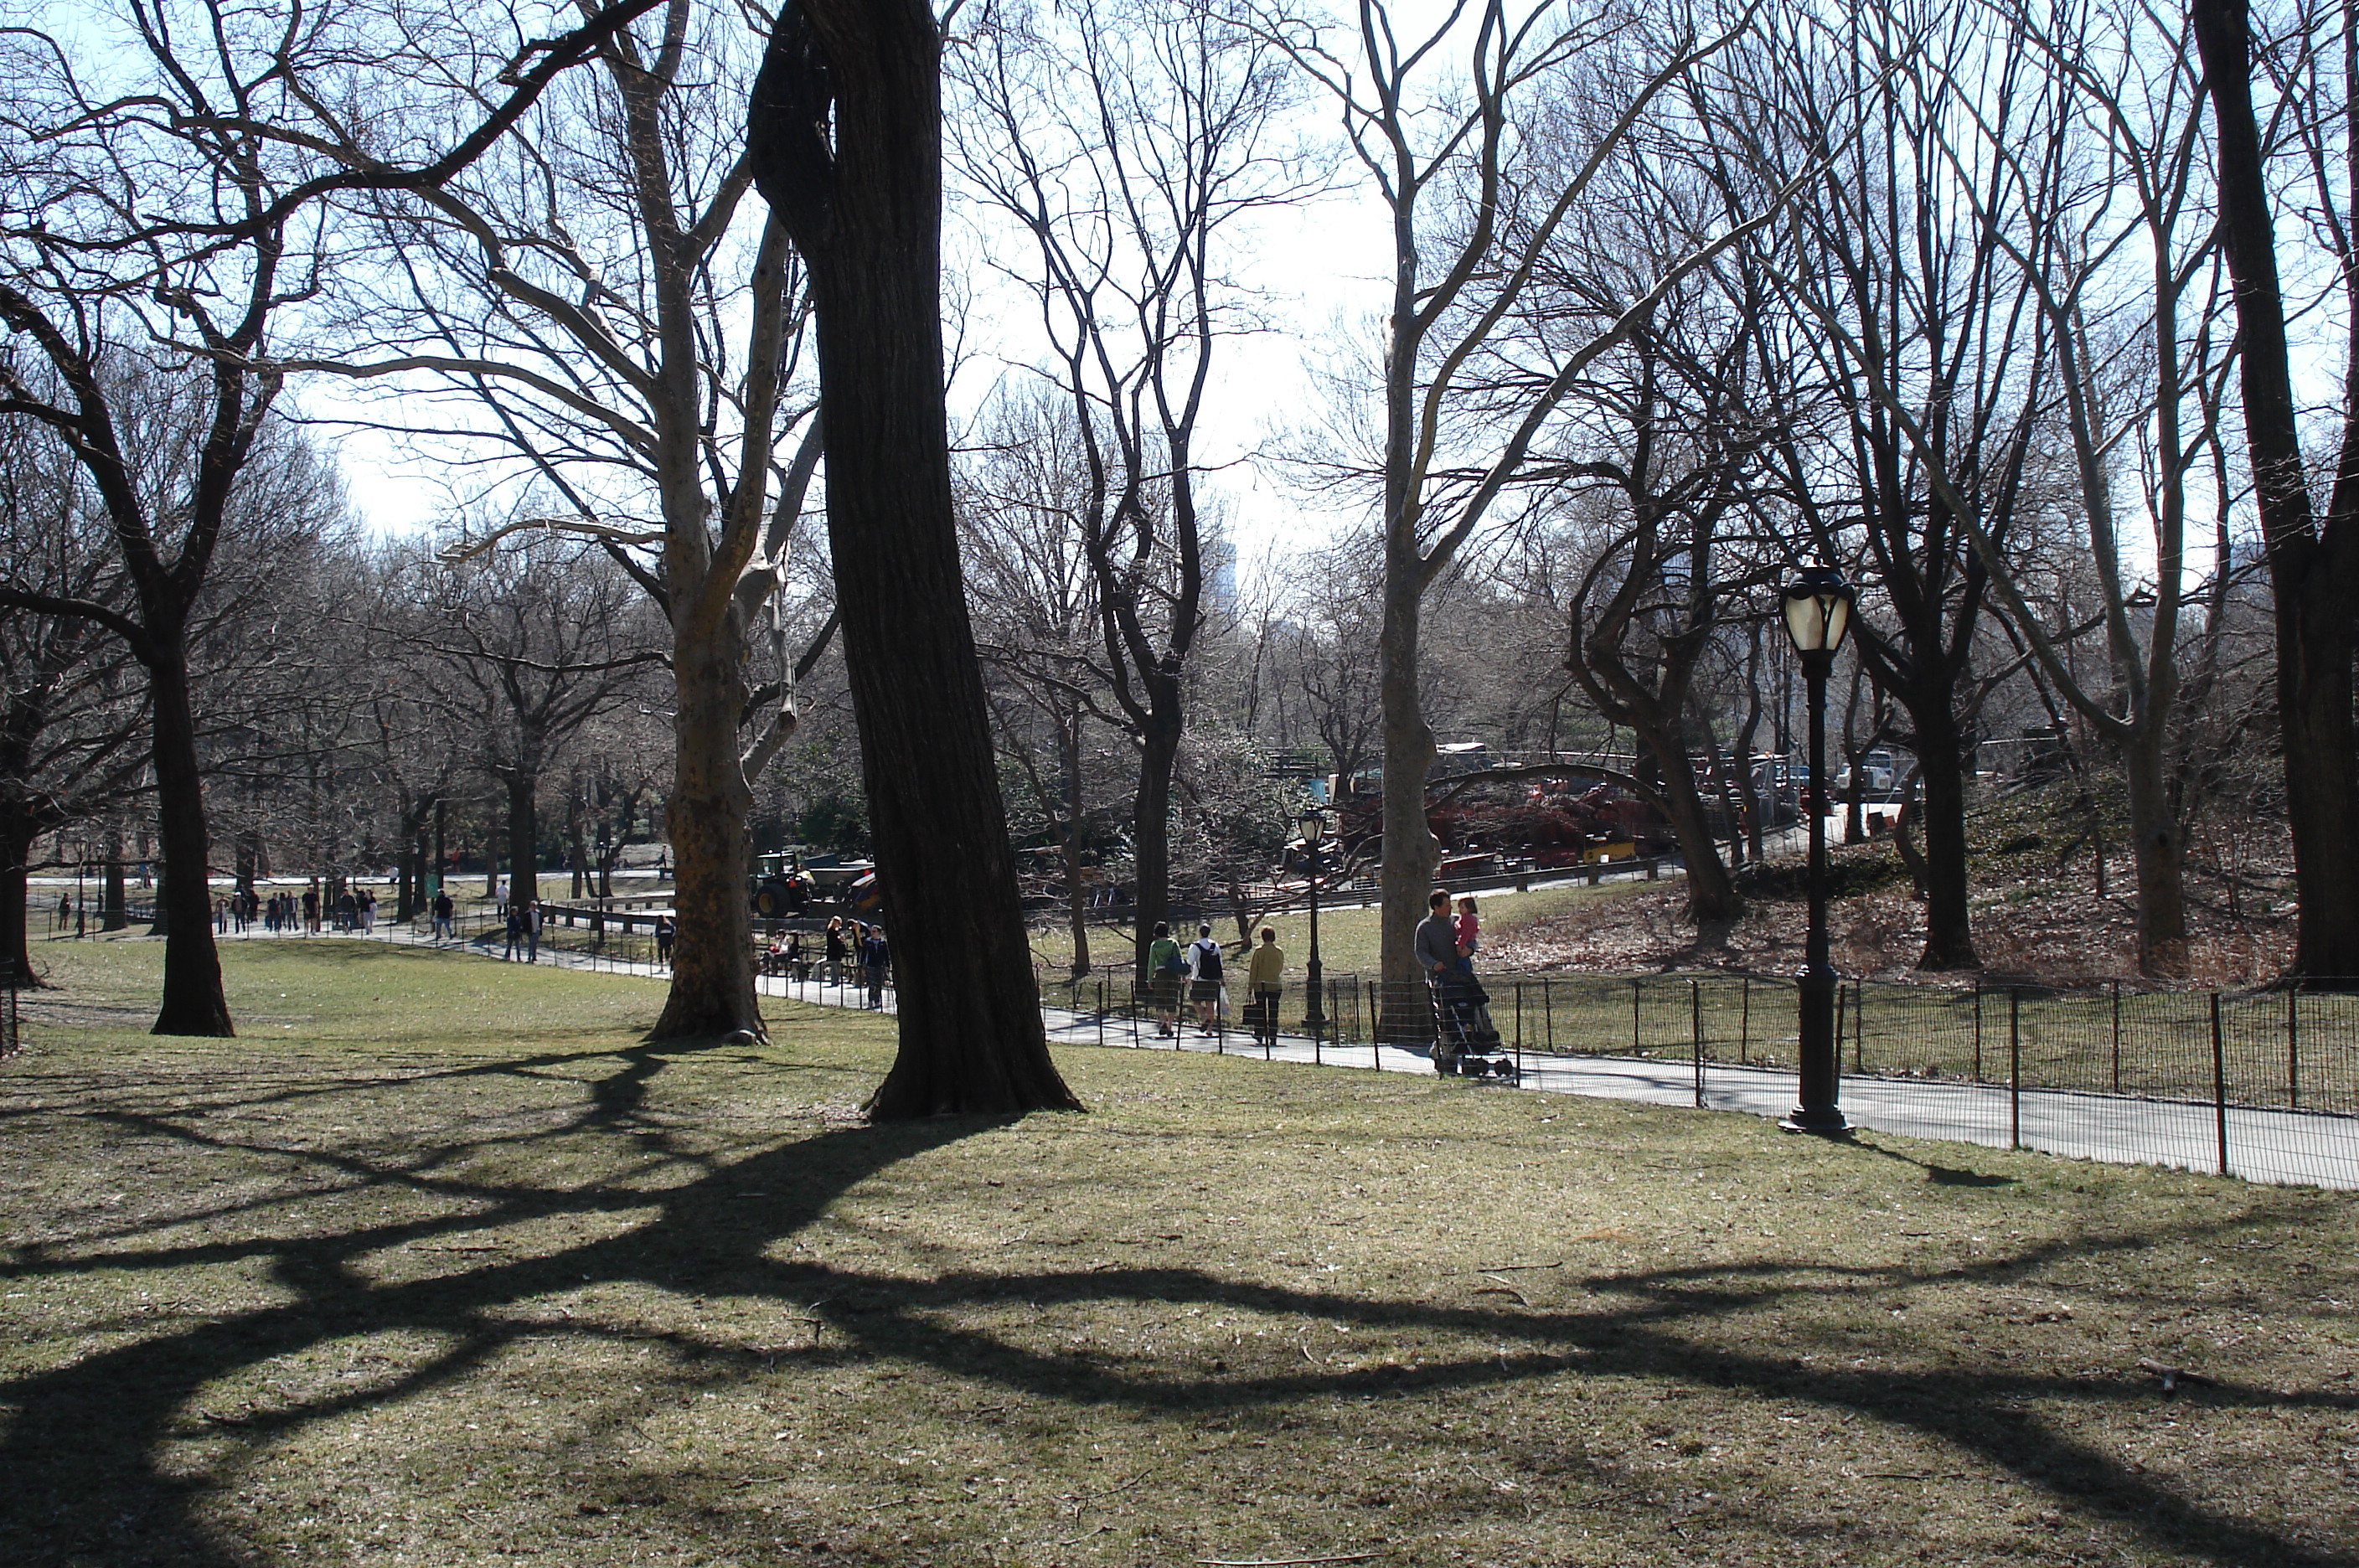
x: 1165, y: 970
x: 532, y: 931
x: 663, y: 931
x: 1266, y: 980
x: 1204, y: 979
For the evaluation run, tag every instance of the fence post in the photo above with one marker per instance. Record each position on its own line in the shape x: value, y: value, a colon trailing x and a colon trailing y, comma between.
x: 1978, y: 1029
x: 1548, y: 1013
x: 1375, y: 1030
x: 1840, y: 999
x: 1635, y: 988
x: 2014, y: 1068
x: 1859, y: 1025
x: 1695, y: 1030
x: 1745, y: 1021
x: 2219, y: 1086
x: 2293, y: 1049
x: 2118, y: 1036
x: 1102, y: 1010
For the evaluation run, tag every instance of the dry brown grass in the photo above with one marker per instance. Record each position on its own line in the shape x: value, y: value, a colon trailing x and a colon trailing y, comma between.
x: 445, y: 1266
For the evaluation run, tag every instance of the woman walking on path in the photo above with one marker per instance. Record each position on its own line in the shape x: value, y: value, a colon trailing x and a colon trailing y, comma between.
x: 1266, y: 980
x: 1165, y: 968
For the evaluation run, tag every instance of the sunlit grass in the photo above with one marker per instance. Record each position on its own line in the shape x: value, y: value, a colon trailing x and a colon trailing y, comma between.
x: 439, y: 1263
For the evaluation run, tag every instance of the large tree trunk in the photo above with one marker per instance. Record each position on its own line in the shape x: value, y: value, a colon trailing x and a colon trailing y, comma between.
x: 1412, y: 852
x: 1151, y: 831
x: 114, y: 903
x: 524, y: 834
x: 1077, y: 895
x: 1949, y: 932
x: 713, y: 990
x: 867, y: 217
x: 2159, y: 848
x: 1712, y: 892
x: 16, y: 836
x: 2314, y: 569
x: 193, y: 1002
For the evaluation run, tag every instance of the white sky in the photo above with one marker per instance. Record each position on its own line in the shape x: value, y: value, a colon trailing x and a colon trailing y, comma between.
x: 1320, y: 265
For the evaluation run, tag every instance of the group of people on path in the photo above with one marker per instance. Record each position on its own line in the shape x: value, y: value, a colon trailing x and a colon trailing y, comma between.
x: 1202, y: 970
x: 1445, y: 946
x: 845, y: 945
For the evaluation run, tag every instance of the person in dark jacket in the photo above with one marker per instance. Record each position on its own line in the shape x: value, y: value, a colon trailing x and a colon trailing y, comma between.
x: 876, y: 962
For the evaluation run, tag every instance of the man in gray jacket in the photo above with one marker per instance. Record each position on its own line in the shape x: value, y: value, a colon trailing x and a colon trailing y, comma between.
x: 1436, y: 940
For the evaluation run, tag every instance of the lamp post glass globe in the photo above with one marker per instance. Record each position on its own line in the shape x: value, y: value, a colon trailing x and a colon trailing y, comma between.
x: 1818, y: 610
x: 1818, y: 617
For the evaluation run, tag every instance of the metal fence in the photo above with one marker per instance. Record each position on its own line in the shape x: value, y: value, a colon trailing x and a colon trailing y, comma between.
x: 2260, y: 1085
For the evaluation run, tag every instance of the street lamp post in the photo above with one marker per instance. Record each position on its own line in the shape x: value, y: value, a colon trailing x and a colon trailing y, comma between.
x: 1818, y: 615
x: 1314, y: 833
x: 81, y: 906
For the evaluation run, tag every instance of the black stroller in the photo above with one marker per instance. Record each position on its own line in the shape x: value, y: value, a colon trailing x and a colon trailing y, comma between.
x: 1465, y: 1041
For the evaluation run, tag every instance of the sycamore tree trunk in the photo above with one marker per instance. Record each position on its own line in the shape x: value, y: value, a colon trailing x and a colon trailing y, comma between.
x: 2159, y: 846
x: 1158, y: 754
x: 193, y: 1003
x: 1077, y: 895
x: 864, y: 210
x: 1412, y: 852
x: 713, y: 990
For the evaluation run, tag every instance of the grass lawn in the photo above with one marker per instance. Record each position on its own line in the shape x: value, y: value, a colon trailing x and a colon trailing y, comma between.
x: 1347, y: 937
x: 440, y: 1265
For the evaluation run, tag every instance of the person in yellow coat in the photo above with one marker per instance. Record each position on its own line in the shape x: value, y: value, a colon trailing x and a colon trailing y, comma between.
x: 1265, y: 983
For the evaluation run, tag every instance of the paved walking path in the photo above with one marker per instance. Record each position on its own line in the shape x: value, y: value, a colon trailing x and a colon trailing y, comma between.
x: 2298, y: 1148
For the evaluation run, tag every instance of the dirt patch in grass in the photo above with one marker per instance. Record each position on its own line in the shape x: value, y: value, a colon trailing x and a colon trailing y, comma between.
x: 471, y: 1274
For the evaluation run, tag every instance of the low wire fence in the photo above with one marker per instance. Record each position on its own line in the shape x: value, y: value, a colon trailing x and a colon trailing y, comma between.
x: 2263, y: 1084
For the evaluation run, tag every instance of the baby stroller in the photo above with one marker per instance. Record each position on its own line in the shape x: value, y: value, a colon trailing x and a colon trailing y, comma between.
x: 1465, y: 1041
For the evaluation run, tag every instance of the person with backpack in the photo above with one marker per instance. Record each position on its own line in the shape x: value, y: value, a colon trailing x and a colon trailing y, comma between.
x: 1204, y: 979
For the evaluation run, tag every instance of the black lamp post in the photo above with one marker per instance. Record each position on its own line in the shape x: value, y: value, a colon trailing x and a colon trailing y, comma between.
x: 1313, y: 822
x: 1818, y: 615
x: 81, y: 902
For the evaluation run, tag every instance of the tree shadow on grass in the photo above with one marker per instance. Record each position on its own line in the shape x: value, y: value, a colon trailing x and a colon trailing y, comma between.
x: 84, y: 1453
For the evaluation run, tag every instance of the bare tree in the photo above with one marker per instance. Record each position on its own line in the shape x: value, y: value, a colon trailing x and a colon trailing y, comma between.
x: 73, y: 712
x: 1127, y: 139
x: 609, y: 324
x: 1446, y: 156
x: 844, y: 136
x: 1035, y: 594
x: 532, y: 643
x: 2312, y: 551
